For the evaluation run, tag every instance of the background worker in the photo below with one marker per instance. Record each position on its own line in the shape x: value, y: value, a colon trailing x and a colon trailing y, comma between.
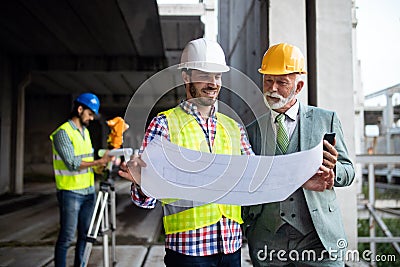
x: 309, y: 219
x: 207, y: 235
x: 73, y: 163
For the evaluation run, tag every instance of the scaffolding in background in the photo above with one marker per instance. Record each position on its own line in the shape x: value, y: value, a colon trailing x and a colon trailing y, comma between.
x: 369, y: 204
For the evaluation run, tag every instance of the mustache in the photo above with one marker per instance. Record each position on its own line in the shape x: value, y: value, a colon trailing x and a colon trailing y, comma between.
x: 205, y: 87
x: 274, y: 95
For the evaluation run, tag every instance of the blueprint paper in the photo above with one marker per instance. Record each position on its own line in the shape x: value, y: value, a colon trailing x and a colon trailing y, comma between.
x: 179, y: 173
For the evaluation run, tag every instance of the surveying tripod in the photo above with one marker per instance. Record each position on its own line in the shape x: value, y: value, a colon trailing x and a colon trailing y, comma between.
x: 104, y: 216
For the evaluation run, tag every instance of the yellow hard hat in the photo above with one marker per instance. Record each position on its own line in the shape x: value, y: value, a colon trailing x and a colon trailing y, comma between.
x: 282, y: 59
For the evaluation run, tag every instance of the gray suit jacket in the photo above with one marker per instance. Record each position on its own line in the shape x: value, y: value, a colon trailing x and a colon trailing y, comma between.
x: 323, y: 206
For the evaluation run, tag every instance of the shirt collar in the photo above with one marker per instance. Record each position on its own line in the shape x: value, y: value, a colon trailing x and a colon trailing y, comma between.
x: 71, y: 122
x: 191, y: 108
x: 291, y: 112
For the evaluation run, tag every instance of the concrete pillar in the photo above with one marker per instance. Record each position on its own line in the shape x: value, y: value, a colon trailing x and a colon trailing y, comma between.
x: 389, y: 126
x: 5, y: 125
x: 334, y: 72
x: 19, y: 153
x: 239, y: 36
x: 210, y: 20
x: 223, y: 24
x: 287, y: 24
x: 389, y: 122
x: 360, y: 140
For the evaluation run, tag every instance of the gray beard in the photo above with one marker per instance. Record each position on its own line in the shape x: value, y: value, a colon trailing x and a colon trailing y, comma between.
x: 283, y: 101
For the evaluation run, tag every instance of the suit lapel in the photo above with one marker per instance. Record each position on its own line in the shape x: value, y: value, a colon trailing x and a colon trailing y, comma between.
x: 306, y: 127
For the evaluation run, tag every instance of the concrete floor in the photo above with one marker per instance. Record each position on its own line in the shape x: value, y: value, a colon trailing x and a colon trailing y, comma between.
x: 29, y: 226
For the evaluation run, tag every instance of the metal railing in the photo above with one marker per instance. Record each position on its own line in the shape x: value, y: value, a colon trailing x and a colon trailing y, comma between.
x: 374, y: 218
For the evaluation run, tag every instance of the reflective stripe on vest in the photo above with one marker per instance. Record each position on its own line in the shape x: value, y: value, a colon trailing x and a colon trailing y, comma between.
x: 70, y: 173
x: 184, y: 215
x: 57, y: 157
x: 65, y: 178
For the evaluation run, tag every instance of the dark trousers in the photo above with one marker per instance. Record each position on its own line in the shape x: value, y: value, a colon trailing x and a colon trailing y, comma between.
x: 175, y: 259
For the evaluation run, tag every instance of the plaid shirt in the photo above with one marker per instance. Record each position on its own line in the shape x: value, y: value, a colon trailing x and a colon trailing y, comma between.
x: 225, y: 236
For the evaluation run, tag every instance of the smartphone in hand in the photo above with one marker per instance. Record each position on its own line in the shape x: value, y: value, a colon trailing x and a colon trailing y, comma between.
x: 330, y: 137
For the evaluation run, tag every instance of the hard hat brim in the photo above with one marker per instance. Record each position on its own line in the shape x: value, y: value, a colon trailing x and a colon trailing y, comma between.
x: 260, y: 70
x: 204, y: 66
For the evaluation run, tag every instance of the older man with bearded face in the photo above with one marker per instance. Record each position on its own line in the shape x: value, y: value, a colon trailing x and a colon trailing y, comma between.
x: 306, y: 229
x: 280, y: 90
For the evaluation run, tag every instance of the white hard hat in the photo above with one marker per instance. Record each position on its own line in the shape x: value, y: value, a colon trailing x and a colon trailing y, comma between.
x: 204, y: 55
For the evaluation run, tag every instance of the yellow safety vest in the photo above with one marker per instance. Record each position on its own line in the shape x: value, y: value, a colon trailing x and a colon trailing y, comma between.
x: 73, y: 180
x: 183, y: 215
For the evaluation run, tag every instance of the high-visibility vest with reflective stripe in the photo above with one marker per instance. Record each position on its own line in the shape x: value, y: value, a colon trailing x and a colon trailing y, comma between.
x: 183, y: 215
x: 73, y: 180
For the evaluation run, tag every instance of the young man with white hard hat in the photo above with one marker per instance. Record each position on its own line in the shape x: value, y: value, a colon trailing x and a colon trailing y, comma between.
x: 206, y: 235
x: 73, y: 163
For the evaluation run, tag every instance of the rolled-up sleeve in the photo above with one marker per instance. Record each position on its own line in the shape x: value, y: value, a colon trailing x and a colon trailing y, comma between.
x: 157, y: 127
x: 245, y: 146
x: 142, y: 201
